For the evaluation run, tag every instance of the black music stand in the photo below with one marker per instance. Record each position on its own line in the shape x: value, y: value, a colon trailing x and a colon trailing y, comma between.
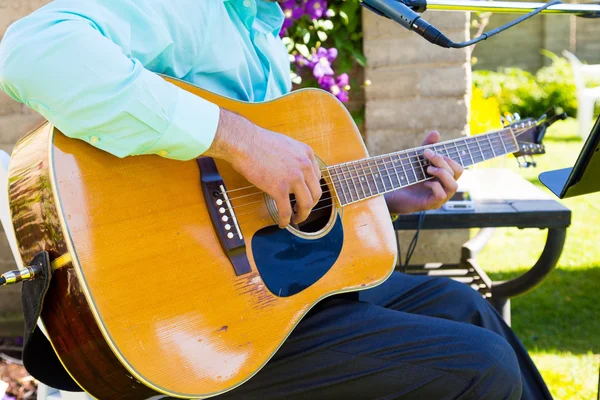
x: 584, y: 176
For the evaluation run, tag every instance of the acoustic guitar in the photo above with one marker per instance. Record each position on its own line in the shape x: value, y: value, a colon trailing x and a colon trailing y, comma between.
x: 172, y: 278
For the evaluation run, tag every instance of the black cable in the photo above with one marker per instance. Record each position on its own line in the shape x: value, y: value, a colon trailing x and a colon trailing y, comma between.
x: 413, y: 243
x: 405, y: 13
x: 512, y: 23
x: 412, y: 246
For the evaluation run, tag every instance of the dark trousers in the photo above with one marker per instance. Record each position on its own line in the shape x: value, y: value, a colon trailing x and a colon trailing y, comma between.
x: 412, y: 337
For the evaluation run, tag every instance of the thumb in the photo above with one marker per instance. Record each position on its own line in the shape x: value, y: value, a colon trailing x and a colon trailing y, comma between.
x: 431, y: 138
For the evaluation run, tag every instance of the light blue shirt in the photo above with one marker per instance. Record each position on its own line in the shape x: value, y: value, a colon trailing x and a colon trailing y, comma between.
x: 88, y: 66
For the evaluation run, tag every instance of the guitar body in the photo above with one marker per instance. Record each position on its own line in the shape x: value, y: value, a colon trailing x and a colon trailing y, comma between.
x: 151, y: 303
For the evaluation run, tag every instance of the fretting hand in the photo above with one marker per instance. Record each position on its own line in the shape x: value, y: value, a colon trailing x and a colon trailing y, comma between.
x: 430, y: 194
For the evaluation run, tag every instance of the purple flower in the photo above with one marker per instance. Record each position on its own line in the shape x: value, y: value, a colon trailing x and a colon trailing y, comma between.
x: 315, y: 8
x: 326, y: 82
x: 301, y: 61
x: 322, y: 68
x: 332, y: 54
x: 340, y: 93
x: 292, y: 12
x: 342, y: 80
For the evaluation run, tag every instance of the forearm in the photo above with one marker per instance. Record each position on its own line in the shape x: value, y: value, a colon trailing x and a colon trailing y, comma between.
x: 84, y: 72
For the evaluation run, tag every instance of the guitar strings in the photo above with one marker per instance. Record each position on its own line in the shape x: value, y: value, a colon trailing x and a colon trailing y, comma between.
x: 501, y: 136
x: 334, y: 195
x: 413, y: 160
x: 389, y: 172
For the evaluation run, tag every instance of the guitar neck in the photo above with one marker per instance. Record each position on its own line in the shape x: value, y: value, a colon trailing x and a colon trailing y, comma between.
x: 362, y: 179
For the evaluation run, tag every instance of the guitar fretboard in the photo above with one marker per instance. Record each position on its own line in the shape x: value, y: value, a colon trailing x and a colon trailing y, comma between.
x: 361, y: 179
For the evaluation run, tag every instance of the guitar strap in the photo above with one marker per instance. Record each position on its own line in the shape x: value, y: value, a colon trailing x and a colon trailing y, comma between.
x: 39, y: 359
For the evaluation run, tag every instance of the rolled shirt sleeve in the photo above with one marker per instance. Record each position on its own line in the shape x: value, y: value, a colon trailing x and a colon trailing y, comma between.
x: 86, y: 66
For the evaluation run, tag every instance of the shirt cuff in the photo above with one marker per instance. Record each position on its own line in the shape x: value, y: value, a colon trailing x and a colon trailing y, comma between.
x: 191, y: 130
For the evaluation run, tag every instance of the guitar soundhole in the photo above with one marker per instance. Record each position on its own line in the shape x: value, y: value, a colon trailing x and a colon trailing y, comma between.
x: 321, y: 214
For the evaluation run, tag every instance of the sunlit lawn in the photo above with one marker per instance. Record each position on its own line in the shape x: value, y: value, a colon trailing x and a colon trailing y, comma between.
x: 559, y: 322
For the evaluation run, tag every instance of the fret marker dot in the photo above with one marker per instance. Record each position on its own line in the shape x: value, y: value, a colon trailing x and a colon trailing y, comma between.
x: 376, y: 175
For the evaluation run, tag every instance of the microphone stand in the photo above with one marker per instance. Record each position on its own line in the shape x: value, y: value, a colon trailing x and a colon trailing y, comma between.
x: 407, y: 13
x: 508, y: 7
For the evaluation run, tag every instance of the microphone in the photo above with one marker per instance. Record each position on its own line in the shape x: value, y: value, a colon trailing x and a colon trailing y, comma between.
x: 399, y: 11
x: 409, y: 19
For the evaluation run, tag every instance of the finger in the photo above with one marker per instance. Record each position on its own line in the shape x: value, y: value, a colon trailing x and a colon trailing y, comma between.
x: 438, y: 161
x: 431, y: 138
x: 438, y: 193
x: 314, y: 186
x: 284, y: 209
x: 456, y: 167
x: 448, y: 182
x: 304, y: 203
x: 316, y: 167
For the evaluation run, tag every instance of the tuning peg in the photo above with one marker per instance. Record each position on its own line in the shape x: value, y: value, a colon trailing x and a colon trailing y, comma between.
x: 509, y: 119
x: 516, y: 117
x: 522, y: 162
x: 531, y: 162
x: 502, y: 121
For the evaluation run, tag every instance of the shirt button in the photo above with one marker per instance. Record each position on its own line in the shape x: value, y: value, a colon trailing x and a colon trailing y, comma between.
x: 163, y: 153
x: 94, y: 139
x: 246, y: 3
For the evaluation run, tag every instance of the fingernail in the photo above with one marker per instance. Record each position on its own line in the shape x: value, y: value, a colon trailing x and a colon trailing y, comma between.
x: 428, y: 153
x: 431, y: 169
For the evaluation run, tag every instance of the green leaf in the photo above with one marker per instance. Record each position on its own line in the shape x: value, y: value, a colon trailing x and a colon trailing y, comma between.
x: 360, y: 58
x: 344, y: 17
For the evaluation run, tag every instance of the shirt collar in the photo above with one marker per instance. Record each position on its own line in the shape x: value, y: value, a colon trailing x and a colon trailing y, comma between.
x: 261, y: 15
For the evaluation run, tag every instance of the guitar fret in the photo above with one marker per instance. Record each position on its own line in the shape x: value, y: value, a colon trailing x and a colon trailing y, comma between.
x: 353, y: 183
x: 420, y: 165
x: 460, y: 154
x: 347, y: 182
x: 470, y: 155
x: 338, y: 185
x: 375, y: 176
x: 483, y: 157
x: 393, y: 173
x: 405, y: 176
x: 383, y: 176
x: 491, y: 145
x: 366, y: 178
x: 411, y: 178
x: 360, y: 179
x: 502, y: 141
x: 389, y: 170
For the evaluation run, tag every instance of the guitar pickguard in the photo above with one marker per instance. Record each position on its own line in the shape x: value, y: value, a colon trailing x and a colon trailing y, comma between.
x: 289, y: 264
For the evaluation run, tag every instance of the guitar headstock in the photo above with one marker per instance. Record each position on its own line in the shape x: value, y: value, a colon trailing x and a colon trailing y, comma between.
x: 530, y: 134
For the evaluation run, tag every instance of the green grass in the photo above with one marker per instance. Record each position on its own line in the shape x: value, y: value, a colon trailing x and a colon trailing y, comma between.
x: 559, y: 322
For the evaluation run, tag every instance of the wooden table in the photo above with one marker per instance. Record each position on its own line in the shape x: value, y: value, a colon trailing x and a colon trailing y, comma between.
x: 502, y: 199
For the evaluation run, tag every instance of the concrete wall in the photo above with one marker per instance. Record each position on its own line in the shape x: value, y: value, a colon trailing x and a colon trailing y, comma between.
x: 416, y: 87
x: 520, y: 46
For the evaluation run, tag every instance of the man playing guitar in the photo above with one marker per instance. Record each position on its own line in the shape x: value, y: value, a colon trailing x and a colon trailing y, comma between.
x: 89, y: 67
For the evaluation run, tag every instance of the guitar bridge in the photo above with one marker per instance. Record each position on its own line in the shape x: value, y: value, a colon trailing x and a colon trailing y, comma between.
x: 223, y: 216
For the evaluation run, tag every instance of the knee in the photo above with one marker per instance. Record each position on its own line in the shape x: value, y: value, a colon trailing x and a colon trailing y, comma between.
x: 500, y: 378
x: 467, y: 304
